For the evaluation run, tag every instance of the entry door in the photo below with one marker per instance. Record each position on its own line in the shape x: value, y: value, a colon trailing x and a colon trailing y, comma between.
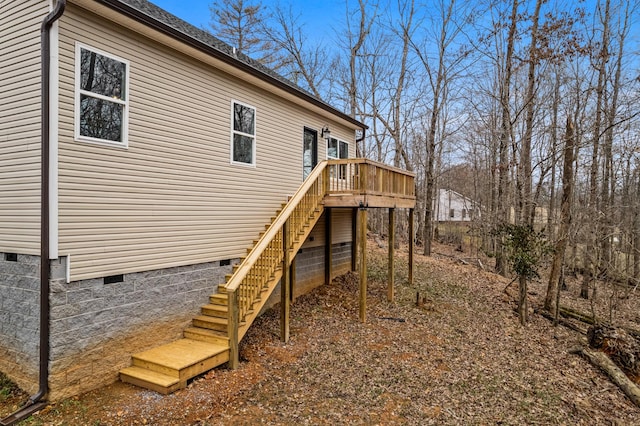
x: 309, y: 151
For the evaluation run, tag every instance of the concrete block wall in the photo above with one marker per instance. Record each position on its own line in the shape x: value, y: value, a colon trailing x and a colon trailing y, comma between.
x: 310, y: 270
x: 97, y: 325
x: 310, y: 266
x: 20, y: 319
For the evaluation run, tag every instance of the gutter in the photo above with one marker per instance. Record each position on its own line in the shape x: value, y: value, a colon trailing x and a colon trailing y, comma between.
x: 36, y: 401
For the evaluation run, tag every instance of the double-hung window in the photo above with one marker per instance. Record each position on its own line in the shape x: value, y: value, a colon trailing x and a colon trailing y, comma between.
x: 102, y: 97
x: 338, y: 150
x: 243, y: 144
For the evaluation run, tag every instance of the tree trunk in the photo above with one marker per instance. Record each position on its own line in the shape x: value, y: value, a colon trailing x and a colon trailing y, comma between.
x: 591, y: 262
x: 565, y: 220
x: 505, y: 136
x: 551, y: 224
x: 523, y: 305
x: 616, y: 375
x: 636, y: 231
x: 528, y: 208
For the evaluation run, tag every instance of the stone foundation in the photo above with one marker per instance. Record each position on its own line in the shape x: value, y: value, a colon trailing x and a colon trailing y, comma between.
x: 96, y: 324
x: 20, y: 319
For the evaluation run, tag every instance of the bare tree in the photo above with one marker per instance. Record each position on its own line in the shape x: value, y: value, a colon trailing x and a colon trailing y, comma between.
x: 565, y: 219
x: 506, y: 130
x: 240, y: 23
x: 439, y: 79
x: 303, y: 64
x: 392, y: 118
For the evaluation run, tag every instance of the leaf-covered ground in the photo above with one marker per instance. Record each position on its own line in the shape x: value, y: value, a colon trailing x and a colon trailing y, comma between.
x: 459, y: 357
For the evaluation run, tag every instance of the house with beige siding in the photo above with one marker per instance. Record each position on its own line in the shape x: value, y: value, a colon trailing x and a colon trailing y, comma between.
x: 170, y: 184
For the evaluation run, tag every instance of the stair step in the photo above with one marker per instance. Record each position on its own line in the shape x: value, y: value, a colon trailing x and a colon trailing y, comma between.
x: 212, y: 323
x: 206, y: 335
x: 182, y: 359
x: 220, y: 298
x: 155, y: 381
x: 215, y: 310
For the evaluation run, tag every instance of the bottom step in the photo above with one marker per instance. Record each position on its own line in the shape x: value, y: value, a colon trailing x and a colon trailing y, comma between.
x: 145, y: 378
x: 167, y: 368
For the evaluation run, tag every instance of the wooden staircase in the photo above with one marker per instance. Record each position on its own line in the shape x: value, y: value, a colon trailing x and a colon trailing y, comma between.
x: 213, y: 337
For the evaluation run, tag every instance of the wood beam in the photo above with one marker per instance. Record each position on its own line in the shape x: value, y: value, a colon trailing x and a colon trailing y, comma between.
x: 232, y: 329
x: 354, y: 239
x: 392, y: 243
x: 285, y: 285
x: 293, y: 278
x: 328, y: 251
x: 411, y: 245
x: 363, y: 264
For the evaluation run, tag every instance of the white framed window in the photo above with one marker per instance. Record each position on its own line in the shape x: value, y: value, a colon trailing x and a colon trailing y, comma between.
x: 243, y: 134
x: 102, y: 97
x: 337, y: 149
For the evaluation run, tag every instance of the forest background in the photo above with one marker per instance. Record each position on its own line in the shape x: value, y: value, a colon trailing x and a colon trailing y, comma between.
x: 528, y: 108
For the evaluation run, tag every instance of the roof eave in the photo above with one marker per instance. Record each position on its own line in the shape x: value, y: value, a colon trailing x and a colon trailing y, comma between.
x: 149, y: 21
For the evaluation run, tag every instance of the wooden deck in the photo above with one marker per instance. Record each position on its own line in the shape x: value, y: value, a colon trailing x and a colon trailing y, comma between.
x: 364, y: 183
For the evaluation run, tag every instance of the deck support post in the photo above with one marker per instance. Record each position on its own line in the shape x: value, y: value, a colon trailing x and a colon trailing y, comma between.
x: 392, y: 243
x: 363, y: 264
x: 232, y: 329
x: 328, y: 251
x: 354, y: 240
x: 292, y: 274
x: 411, y: 246
x: 285, y: 285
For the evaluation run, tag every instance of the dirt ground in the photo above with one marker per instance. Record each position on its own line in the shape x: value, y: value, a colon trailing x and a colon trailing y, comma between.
x: 459, y: 357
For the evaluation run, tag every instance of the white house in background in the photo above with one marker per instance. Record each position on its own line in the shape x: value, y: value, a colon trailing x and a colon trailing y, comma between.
x: 452, y: 206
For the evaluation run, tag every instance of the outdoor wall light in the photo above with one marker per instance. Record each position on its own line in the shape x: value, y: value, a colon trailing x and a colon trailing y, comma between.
x: 325, y: 132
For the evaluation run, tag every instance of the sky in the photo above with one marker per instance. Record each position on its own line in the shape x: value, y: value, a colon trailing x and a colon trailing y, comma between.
x: 196, y: 12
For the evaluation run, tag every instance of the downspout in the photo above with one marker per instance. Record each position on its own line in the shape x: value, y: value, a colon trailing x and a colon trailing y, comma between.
x: 364, y: 133
x: 45, y: 39
x: 35, y: 402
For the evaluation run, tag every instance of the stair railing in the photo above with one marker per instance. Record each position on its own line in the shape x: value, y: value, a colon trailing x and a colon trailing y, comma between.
x: 245, y: 286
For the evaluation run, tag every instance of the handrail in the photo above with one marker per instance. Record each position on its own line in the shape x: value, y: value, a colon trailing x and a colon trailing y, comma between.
x: 372, y: 163
x: 277, y: 224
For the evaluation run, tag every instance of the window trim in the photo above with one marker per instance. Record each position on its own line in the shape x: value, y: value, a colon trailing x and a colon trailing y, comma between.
x: 342, y: 169
x: 254, y: 136
x: 339, y: 141
x: 79, y: 92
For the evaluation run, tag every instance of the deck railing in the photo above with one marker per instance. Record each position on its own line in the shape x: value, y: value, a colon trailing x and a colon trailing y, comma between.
x: 360, y: 176
x: 280, y: 242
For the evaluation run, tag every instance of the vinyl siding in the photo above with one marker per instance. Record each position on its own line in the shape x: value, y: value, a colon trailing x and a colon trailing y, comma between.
x: 341, y: 232
x: 172, y: 197
x: 20, y: 125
